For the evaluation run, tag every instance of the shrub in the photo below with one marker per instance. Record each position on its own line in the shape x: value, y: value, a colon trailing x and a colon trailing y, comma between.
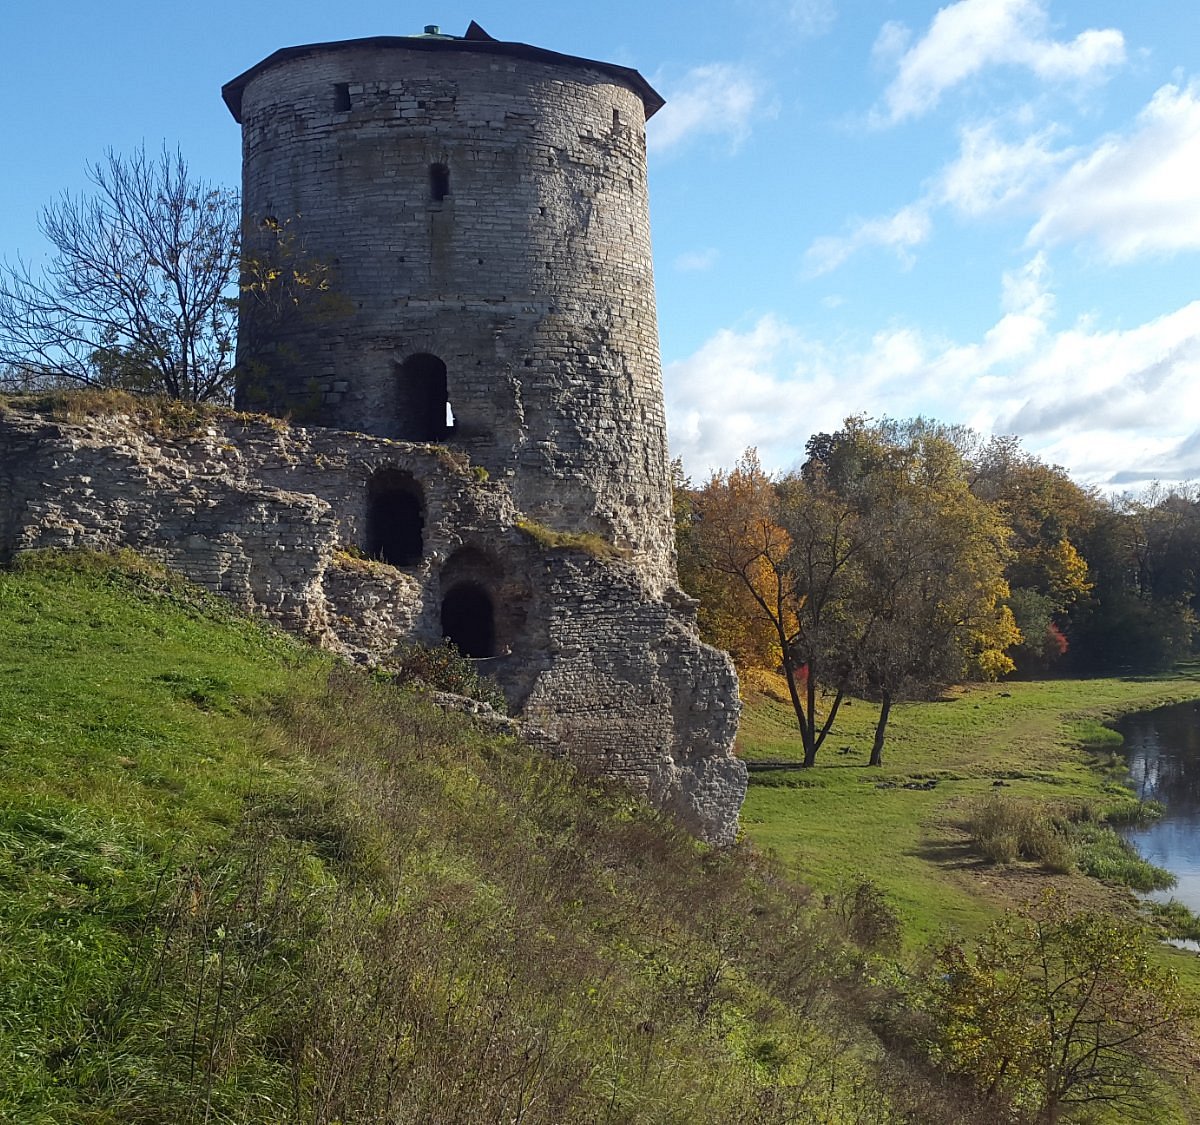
x: 1051, y: 1010
x: 865, y: 914
x: 443, y: 668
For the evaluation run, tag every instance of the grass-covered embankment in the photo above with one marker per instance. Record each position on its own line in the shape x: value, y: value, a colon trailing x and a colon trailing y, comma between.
x: 240, y: 884
x: 1041, y: 743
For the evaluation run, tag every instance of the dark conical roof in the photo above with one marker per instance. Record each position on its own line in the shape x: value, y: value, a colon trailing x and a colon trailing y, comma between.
x: 475, y: 40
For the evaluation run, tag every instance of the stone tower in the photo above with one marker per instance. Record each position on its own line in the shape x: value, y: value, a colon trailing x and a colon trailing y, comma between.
x: 483, y: 208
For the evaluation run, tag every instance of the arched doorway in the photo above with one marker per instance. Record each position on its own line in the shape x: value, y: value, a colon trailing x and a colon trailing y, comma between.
x: 422, y: 399
x: 469, y: 619
x: 395, y: 518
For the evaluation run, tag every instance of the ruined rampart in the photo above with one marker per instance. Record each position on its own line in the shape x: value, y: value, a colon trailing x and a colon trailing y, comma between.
x: 277, y: 518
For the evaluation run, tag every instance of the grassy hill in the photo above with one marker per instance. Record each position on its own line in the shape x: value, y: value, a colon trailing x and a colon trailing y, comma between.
x: 241, y: 883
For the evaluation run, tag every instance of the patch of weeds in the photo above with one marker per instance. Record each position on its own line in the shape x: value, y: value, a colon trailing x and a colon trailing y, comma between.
x: 209, y: 693
x: 1174, y: 920
x: 354, y: 559
x: 1063, y: 836
x: 158, y: 414
x: 1103, y: 854
x: 443, y: 668
x: 785, y: 779
x: 451, y: 458
x: 1131, y: 813
x: 1094, y: 736
x: 1004, y: 830
x: 585, y: 541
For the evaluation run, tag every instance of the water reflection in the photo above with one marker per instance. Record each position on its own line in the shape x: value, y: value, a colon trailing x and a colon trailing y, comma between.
x: 1163, y: 751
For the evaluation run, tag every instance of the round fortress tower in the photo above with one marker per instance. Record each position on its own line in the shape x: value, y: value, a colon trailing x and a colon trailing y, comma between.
x: 483, y: 208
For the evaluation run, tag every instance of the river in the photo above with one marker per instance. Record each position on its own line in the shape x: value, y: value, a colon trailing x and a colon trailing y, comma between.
x: 1163, y: 751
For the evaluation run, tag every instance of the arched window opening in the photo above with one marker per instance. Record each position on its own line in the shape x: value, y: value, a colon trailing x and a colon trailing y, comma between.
x: 422, y: 400
x: 395, y: 518
x: 439, y: 182
x: 469, y: 619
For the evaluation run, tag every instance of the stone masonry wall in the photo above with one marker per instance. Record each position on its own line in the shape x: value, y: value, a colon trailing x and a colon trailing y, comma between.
x: 531, y: 279
x: 262, y: 513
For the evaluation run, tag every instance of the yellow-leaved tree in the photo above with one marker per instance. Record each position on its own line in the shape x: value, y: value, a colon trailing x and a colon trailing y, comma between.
x: 874, y: 567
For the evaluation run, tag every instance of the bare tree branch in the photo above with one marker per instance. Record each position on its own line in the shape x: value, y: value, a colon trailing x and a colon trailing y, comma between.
x: 141, y: 291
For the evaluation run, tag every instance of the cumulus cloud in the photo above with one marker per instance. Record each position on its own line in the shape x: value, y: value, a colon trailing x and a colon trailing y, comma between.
x: 1130, y: 194
x: 1115, y: 406
x: 989, y: 174
x: 992, y: 174
x: 730, y: 394
x: 719, y: 99
x: 899, y: 232
x: 1135, y: 194
x: 971, y: 36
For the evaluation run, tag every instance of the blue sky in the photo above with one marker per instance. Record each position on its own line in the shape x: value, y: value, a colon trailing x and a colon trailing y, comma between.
x: 987, y: 212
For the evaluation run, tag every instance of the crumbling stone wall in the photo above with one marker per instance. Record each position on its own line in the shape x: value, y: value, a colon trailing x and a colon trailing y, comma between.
x: 273, y: 517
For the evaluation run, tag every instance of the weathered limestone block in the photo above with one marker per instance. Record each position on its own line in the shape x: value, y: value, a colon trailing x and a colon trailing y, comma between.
x: 370, y: 607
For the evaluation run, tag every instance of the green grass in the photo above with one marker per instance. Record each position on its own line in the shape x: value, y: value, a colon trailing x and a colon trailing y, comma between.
x: 242, y: 883
x: 1044, y: 741
x: 239, y: 883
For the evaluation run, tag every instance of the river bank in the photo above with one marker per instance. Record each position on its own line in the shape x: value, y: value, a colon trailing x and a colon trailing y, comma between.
x: 903, y: 823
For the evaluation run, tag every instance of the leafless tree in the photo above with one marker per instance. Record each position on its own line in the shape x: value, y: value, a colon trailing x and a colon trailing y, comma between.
x: 141, y: 288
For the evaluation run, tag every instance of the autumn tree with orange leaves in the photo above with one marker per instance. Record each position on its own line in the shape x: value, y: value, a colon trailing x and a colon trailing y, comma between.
x: 874, y: 568
x: 787, y: 547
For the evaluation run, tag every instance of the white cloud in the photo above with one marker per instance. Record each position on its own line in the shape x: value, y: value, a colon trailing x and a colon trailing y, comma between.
x: 729, y: 395
x: 891, y: 42
x: 970, y: 36
x: 991, y: 174
x: 1130, y: 194
x: 1170, y: 461
x: 1115, y: 406
x: 697, y: 261
x: 719, y: 99
x: 900, y: 232
x: 1136, y: 194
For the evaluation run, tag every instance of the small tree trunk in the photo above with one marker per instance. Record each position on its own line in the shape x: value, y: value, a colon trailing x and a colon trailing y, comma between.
x: 811, y: 742
x: 885, y: 710
x: 803, y: 720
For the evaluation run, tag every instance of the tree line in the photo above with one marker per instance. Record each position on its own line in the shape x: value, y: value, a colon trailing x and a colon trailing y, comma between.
x: 905, y: 556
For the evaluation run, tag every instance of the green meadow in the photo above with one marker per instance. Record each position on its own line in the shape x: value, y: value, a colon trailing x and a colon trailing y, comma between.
x: 903, y: 823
